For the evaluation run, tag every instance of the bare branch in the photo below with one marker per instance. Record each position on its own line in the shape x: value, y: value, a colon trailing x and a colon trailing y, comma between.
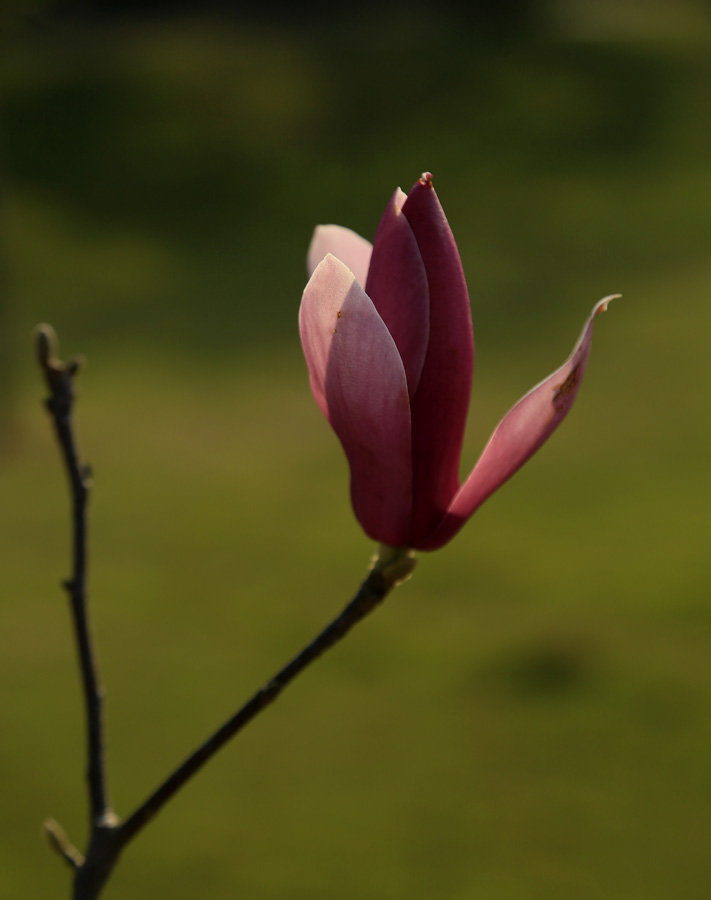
x: 60, y: 381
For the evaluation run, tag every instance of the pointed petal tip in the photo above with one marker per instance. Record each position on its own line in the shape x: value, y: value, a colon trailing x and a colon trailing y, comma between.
x: 328, y: 261
x: 345, y: 244
x: 398, y: 200
x: 332, y: 262
x: 601, y: 305
x: 426, y: 179
x: 521, y: 432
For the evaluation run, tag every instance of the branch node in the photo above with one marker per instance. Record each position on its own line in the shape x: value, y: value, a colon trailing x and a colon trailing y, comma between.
x: 393, y: 564
x: 108, y: 820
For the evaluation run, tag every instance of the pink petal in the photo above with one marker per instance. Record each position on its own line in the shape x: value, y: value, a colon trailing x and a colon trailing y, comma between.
x: 519, y: 434
x: 397, y: 285
x: 358, y: 380
x: 439, y: 408
x: 346, y: 245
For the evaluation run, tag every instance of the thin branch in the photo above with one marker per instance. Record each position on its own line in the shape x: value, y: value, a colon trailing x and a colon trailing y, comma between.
x: 389, y: 569
x: 60, y: 381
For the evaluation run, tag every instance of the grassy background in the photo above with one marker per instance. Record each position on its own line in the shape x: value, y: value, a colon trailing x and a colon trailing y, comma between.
x: 530, y: 716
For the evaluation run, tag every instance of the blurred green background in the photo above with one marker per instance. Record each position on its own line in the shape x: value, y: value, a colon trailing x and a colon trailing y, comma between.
x: 530, y: 716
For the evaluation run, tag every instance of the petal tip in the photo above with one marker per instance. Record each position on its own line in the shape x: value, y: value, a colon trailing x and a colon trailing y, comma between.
x: 601, y: 305
x: 331, y: 261
x: 398, y: 200
x: 426, y: 179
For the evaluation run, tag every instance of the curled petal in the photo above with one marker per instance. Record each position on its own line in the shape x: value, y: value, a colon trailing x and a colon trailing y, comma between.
x: 358, y: 380
x: 439, y: 408
x: 344, y: 244
x: 397, y: 285
x: 519, y: 434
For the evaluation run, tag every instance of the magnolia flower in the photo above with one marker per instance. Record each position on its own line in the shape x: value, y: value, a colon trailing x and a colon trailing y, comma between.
x: 387, y: 335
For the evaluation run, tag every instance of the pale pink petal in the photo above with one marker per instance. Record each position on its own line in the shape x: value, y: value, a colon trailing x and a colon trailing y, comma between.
x: 346, y: 245
x: 397, y: 285
x: 519, y: 434
x: 358, y: 380
x: 439, y: 408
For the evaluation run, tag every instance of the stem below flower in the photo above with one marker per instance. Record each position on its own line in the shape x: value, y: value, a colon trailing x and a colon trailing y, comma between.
x: 389, y: 569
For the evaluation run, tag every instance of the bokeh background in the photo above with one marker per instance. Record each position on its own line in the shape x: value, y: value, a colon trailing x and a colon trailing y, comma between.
x: 530, y: 716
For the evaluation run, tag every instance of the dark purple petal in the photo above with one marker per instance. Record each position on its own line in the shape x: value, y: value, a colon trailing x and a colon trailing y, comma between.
x: 397, y: 285
x: 358, y: 380
x: 439, y: 407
